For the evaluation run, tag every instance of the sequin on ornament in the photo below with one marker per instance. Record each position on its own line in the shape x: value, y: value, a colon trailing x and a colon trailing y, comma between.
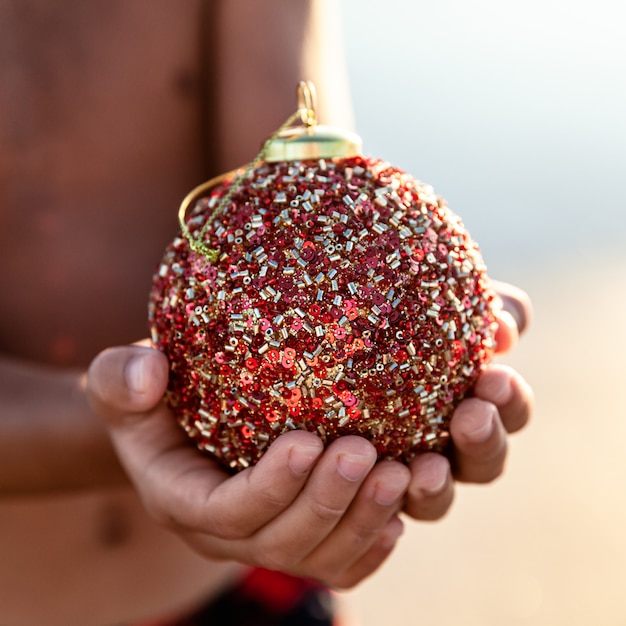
x: 346, y: 299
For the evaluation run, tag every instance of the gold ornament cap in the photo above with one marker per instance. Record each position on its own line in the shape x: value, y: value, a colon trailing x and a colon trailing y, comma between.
x: 288, y: 143
x: 311, y: 141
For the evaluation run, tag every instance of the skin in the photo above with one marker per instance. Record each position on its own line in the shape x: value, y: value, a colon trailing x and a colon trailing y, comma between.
x: 111, y: 113
x: 282, y: 513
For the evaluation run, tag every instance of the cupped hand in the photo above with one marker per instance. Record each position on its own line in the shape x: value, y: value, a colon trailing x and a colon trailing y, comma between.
x: 501, y: 403
x: 332, y: 514
x: 327, y: 514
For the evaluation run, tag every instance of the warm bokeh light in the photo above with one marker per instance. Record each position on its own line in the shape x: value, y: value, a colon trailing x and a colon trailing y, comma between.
x: 514, y: 112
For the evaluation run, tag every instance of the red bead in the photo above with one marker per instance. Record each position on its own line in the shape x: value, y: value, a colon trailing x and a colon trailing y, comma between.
x: 350, y: 305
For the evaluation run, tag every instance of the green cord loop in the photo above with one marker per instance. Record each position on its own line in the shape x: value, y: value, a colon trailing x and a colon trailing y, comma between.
x: 197, y: 244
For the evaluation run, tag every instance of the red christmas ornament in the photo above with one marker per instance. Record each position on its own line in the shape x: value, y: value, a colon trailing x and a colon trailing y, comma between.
x: 319, y: 290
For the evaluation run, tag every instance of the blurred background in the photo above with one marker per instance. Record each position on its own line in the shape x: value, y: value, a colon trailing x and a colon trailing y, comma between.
x: 516, y: 113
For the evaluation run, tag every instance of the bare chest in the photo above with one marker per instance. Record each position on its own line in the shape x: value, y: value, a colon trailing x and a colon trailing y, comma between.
x: 101, y: 137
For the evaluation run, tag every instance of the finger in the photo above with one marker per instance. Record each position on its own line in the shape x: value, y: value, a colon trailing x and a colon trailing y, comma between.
x: 180, y: 487
x: 516, y: 303
x: 233, y: 507
x: 329, y: 492
x: 479, y: 441
x: 507, y: 334
x: 247, y: 501
x: 373, y: 558
x: 431, y: 490
x: 513, y: 396
x: 380, y: 497
x: 344, y: 578
x: 125, y: 381
x: 125, y: 386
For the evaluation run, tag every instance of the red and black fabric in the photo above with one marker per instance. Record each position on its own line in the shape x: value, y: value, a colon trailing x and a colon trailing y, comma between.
x: 265, y: 598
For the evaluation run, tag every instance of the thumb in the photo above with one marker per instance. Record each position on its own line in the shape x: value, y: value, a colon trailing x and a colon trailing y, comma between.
x: 126, y: 381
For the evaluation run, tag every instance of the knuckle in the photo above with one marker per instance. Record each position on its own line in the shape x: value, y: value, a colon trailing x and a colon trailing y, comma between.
x: 326, y: 513
x: 162, y: 517
x: 271, y: 557
x: 364, y: 533
x: 267, y: 495
x: 227, y: 524
x: 265, y: 490
x: 229, y: 529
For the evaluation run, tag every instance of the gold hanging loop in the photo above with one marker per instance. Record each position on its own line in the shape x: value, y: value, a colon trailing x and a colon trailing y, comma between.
x: 307, y: 103
x: 287, y: 143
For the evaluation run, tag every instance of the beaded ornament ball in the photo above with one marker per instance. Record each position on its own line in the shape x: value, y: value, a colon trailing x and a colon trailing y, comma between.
x: 344, y: 297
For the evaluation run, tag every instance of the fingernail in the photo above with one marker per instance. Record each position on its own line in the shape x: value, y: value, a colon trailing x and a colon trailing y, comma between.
x: 516, y: 310
x: 483, y: 433
x: 499, y: 390
x: 435, y: 485
x: 391, y: 490
x: 354, y: 467
x: 303, y: 458
x: 136, y: 373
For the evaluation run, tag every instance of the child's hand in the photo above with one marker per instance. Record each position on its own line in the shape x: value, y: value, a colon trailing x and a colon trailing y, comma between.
x: 502, y: 403
x: 329, y: 515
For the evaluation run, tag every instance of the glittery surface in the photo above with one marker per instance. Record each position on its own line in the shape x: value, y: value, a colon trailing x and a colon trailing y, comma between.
x: 347, y: 299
